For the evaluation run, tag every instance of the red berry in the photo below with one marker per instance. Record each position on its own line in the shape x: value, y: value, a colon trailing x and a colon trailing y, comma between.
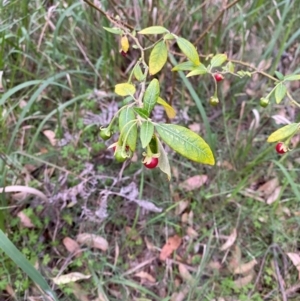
x: 218, y: 77
x: 281, y: 148
x: 152, y: 164
x: 123, y: 53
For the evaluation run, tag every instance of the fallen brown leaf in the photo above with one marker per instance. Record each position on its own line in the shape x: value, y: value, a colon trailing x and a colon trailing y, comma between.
x: 71, y: 245
x: 193, y: 183
x: 243, y: 281
x: 267, y: 188
x: 274, y: 195
x: 191, y: 232
x: 171, y: 245
x: 50, y: 136
x: 93, y: 241
x: 230, y: 241
x: 145, y: 276
x: 245, y: 268
x: 25, y: 220
x: 295, y: 258
x: 184, y: 273
x: 71, y: 277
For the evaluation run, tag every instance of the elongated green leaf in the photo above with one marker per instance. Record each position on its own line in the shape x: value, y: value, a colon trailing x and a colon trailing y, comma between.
x: 147, y: 130
x: 151, y: 95
x: 128, y: 127
x: 218, y: 60
x: 201, y: 69
x: 19, y: 259
x: 292, y: 77
x: 158, y: 57
x: 154, y: 144
x: 186, y: 143
x: 284, y: 132
x: 185, y: 66
x: 141, y: 112
x: 163, y: 160
x: 171, y: 113
x: 280, y: 92
x: 154, y: 30
x: 279, y: 75
x: 113, y: 30
x: 124, y: 89
x: 189, y: 50
x: 138, y: 73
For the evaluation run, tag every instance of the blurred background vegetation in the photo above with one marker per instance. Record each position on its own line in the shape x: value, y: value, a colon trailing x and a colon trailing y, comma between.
x: 59, y: 68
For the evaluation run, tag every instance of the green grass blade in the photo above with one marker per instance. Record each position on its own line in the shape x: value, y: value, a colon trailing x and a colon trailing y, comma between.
x: 15, y: 255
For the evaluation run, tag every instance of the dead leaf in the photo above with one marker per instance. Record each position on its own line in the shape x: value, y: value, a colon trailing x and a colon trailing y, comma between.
x: 236, y: 257
x: 25, y: 220
x: 243, y: 281
x: 245, y: 268
x: 79, y: 292
x: 71, y: 245
x: 171, y: 245
x: 191, y: 232
x: 274, y: 195
x: 145, y: 276
x: 225, y: 164
x: 193, y: 183
x: 184, y: 272
x: 180, y: 296
x: 295, y: 258
x: 230, y: 241
x: 150, y: 246
x: 181, y: 206
x: 71, y: 277
x: 267, y: 188
x: 51, y: 137
x: 93, y: 241
x: 195, y: 127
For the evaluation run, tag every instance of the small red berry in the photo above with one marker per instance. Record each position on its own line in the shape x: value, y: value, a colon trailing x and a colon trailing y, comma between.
x: 152, y: 164
x: 281, y: 148
x: 218, y: 77
x: 123, y: 53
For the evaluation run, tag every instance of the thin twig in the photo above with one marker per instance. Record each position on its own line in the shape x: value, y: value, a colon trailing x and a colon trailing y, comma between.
x: 279, y: 277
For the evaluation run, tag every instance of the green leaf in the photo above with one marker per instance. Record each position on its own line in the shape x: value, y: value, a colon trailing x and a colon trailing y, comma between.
x: 230, y: 67
x: 218, y: 60
x: 138, y: 73
x: 19, y: 259
x: 171, y: 113
x: 279, y: 75
x: 114, y: 30
x: 124, y: 89
x: 189, y: 50
x: 141, y: 112
x: 280, y: 92
x: 158, y: 57
x: 147, y: 130
x: 201, y: 69
x: 292, y: 77
x: 151, y: 95
x: 186, y: 142
x: 186, y: 66
x: 169, y: 36
x: 163, y: 160
x: 154, y: 144
x: 284, y: 132
x: 128, y: 127
x: 154, y: 30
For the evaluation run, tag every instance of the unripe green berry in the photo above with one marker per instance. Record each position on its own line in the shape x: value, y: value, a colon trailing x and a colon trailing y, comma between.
x: 105, y: 134
x: 214, y: 101
x: 120, y: 155
x: 264, y: 102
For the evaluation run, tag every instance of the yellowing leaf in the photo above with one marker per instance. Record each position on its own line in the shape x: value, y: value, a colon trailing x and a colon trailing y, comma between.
x: 292, y: 77
x: 128, y: 127
x: 280, y: 92
x: 154, y: 30
x: 284, y: 132
x: 124, y: 43
x: 171, y: 113
x: 188, y: 50
x: 186, y: 143
x: 218, y: 60
x: 71, y: 277
x: 151, y: 95
x: 158, y: 57
x: 124, y: 89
